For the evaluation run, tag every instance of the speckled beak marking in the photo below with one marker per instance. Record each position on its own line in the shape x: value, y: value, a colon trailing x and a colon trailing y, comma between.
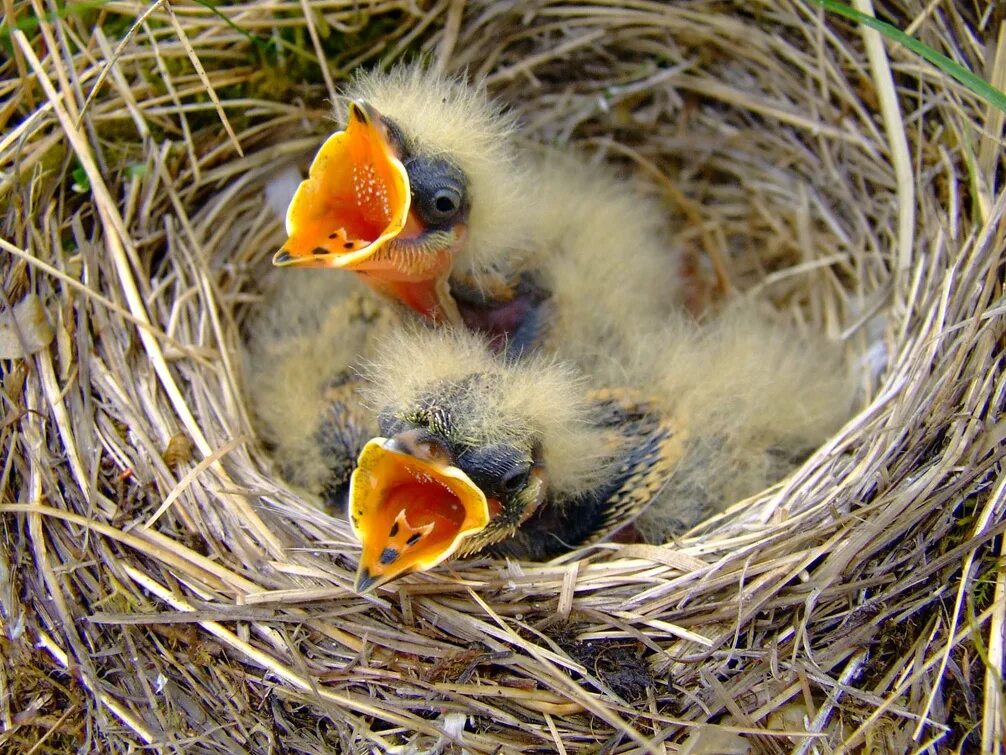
x: 409, y: 513
x: 354, y: 212
x: 354, y: 200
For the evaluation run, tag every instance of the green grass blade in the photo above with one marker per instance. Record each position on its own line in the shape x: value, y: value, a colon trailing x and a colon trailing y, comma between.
x: 976, y: 84
x: 262, y: 44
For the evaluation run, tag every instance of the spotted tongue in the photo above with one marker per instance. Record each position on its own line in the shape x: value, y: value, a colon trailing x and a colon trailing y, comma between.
x: 429, y: 516
x: 409, y: 512
x: 421, y: 520
x: 355, y: 199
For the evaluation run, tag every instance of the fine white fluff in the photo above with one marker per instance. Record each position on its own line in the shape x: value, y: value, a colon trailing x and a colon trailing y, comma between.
x: 280, y: 189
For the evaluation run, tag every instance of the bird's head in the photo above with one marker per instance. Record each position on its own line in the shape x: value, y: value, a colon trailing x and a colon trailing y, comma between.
x: 414, y: 181
x: 471, y: 445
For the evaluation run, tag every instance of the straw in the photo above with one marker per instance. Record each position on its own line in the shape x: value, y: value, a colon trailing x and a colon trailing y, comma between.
x: 161, y: 587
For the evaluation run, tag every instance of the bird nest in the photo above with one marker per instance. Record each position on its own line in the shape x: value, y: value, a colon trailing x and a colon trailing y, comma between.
x: 160, y: 586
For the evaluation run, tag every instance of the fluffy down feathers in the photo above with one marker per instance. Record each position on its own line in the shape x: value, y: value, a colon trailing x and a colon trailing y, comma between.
x: 306, y: 337
x: 536, y: 396
x: 442, y: 116
x: 603, y: 254
x: 757, y: 397
x: 754, y: 396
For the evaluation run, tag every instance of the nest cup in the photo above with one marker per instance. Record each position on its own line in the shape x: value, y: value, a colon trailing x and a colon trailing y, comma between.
x: 159, y: 585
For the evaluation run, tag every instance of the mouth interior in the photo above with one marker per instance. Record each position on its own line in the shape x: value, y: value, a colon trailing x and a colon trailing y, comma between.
x: 410, y: 514
x: 430, y: 510
x: 356, y: 197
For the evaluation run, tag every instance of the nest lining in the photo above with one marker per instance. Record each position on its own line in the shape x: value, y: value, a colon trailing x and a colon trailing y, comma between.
x: 159, y: 586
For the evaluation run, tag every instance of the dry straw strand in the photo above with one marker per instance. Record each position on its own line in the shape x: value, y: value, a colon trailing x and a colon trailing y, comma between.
x: 150, y: 598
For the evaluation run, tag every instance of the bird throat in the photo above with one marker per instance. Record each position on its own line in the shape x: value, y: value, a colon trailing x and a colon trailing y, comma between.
x: 510, y: 318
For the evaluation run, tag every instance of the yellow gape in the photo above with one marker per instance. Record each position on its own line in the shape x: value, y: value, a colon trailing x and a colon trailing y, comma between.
x: 409, y: 513
x: 353, y: 212
x: 354, y: 200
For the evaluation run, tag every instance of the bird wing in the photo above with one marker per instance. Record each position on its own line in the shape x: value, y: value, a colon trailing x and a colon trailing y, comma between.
x: 651, y: 446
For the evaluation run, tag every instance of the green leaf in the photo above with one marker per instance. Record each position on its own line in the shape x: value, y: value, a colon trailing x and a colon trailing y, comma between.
x: 976, y: 84
x: 81, y: 183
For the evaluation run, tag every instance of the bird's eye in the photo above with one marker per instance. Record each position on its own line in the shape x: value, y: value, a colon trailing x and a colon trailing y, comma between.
x: 515, y: 480
x: 439, y: 191
x: 446, y: 202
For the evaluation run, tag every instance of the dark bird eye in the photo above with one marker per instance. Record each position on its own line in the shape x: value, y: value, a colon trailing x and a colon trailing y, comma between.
x: 515, y: 480
x: 438, y: 191
x: 446, y: 202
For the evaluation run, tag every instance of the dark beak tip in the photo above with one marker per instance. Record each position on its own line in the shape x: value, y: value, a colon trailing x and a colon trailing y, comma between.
x: 364, y: 582
x: 282, y: 257
x: 358, y: 110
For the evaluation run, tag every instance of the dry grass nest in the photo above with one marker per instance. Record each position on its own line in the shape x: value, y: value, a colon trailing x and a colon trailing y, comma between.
x: 160, y: 587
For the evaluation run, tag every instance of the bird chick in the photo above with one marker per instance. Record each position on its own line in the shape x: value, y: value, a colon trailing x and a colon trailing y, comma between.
x: 428, y: 196
x: 441, y: 447
x: 438, y: 446
x: 757, y: 396
x: 424, y: 171
x: 479, y: 452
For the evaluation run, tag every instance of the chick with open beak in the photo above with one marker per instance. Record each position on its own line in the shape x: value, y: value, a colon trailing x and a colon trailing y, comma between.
x: 392, y: 218
x: 478, y: 452
x: 423, y: 181
x: 413, y: 505
x: 439, y: 485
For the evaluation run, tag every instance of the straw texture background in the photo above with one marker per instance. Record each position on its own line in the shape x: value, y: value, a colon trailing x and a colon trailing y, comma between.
x: 160, y: 587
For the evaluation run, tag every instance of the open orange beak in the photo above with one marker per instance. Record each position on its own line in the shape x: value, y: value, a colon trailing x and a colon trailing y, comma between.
x: 352, y: 212
x: 409, y: 513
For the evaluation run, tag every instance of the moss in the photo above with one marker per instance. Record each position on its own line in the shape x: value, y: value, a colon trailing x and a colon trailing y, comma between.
x: 44, y: 701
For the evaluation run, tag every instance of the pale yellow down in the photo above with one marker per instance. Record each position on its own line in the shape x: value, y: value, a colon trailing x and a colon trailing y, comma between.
x: 314, y: 327
x: 308, y: 331
x: 537, y: 397
x: 755, y: 395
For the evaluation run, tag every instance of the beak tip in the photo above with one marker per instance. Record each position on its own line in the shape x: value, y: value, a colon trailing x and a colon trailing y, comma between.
x: 281, y: 258
x: 364, y: 581
x: 359, y: 112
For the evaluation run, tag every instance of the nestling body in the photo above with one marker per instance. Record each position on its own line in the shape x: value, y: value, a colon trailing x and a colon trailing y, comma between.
x: 608, y: 402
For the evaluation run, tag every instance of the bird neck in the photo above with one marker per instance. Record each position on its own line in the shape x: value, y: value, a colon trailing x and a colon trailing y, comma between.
x: 510, y: 314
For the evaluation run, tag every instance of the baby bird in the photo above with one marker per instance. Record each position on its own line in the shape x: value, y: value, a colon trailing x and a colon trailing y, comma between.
x: 480, y: 452
x: 458, y: 449
x: 428, y: 196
